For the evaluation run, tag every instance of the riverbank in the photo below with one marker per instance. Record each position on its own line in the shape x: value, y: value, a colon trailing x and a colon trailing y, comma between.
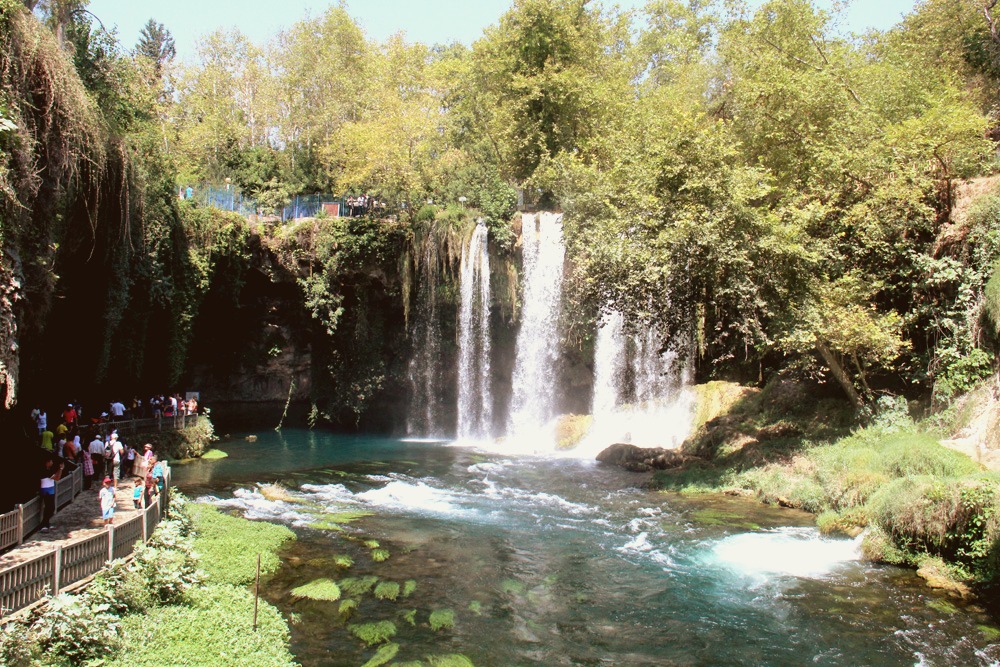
x: 917, y: 502
x: 183, y: 599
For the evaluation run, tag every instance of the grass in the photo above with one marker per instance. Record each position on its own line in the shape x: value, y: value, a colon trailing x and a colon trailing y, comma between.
x: 213, y: 629
x: 321, y: 589
x: 228, y: 545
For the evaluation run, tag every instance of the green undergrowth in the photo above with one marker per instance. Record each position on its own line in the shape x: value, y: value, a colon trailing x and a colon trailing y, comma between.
x: 228, y: 545
x: 164, y: 607
x: 914, y: 498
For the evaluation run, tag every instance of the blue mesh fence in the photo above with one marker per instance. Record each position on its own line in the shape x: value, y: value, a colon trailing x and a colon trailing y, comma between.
x: 300, y: 206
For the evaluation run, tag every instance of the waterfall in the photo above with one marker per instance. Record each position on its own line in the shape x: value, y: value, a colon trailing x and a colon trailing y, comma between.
x: 424, y: 373
x: 475, y: 396
x: 537, y: 348
x: 640, y: 393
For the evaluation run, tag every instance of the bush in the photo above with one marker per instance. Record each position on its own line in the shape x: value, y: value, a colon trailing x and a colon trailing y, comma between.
x: 76, y: 630
x: 16, y: 647
x: 955, y: 519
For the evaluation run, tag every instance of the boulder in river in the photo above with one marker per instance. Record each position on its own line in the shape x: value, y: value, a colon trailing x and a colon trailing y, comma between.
x: 642, y: 459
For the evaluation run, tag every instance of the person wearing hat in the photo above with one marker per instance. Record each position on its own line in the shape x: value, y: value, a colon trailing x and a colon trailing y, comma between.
x: 107, y: 495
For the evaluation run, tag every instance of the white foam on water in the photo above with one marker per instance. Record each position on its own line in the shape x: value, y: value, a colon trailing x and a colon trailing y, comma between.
x: 641, y: 546
x: 412, y: 496
x: 794, y: 552
x: 253, y: 505
x: 429, y: 441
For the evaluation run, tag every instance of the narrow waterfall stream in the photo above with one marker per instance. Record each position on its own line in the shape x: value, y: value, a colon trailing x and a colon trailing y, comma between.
x: 475, y: 394
x: 424, y: 418
x: 640, y: 393
x: 534, y: 383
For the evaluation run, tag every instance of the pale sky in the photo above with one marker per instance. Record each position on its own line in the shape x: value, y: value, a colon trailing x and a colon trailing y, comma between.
x: 428, y: 21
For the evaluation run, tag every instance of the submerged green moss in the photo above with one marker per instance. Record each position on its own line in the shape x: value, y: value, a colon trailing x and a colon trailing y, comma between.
x: 442, y: 619
x: 321, y: 589
x: 383, y: 655
x: 357, y: 586
x: 373, y: 633
x: 380, y: 555
x: 409, y: 586
x: 387, y: 590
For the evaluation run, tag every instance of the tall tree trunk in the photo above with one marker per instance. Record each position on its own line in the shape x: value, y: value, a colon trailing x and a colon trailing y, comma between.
x: 839, y: 373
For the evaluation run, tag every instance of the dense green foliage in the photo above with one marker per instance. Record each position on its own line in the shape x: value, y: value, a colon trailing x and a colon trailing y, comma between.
x: 158, y: 608
x: 787, y: 196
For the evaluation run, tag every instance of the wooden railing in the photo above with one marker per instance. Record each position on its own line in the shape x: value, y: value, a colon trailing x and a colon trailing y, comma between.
x: 131, y: 427
x: 26, y: 583
x: 27, y: 517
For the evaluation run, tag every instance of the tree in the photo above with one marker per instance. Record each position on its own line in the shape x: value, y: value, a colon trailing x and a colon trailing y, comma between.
x: 156, y: 45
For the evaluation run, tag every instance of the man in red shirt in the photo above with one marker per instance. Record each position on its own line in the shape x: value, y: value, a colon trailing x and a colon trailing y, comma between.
x: 69, y: 415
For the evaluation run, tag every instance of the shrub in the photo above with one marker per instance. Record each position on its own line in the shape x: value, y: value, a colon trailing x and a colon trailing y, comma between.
x: 72, y: 628
x: 955, y: 519
x: 16, y: 647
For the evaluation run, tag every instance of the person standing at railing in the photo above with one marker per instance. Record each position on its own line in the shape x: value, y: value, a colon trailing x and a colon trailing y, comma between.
x: 50, y: 475
x: 87, y: 461
x: 96, y: 448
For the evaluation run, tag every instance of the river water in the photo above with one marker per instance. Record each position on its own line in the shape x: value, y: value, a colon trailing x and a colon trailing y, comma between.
x: 551, y: 562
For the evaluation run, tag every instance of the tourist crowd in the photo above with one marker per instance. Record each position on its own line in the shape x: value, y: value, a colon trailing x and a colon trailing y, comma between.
x: 103, y: 457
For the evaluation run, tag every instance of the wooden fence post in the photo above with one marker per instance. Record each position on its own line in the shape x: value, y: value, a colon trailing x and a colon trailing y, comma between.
x: 145, y: 530
x: 111, y: 543
x: 20, y: 524
x: 58, y: 570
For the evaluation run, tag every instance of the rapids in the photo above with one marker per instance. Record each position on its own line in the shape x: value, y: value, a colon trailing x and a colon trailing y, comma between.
x: 564, y: 562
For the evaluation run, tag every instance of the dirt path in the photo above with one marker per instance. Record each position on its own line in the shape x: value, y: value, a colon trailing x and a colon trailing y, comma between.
x: 81, y: 518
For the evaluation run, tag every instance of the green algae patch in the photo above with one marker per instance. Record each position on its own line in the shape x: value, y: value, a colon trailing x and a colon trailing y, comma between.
x: 409, y: 616
x: 442, y: 619
x: 338, y: 520
x: 380, y: 555
x: 409, y: 586
x: 942, y: 606
x: 387, y: 590
x: 321, y: 589
x: 476, y: 607
x: 373, y: 633
x: 990, y: 633
x: 347, y: 608
x: 357, y: 586
x: 451, y: 660
x: 343, y: 561
x: 214, y: 455
x: 512, y: 587
x: 383, y: 655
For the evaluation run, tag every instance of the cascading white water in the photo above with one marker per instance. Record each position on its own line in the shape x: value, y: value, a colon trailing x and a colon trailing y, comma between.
x: 610, y: 366
x: 475, y: 395
x: 640, y: 394
x: 424, y: 373
x: 537, y: 349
